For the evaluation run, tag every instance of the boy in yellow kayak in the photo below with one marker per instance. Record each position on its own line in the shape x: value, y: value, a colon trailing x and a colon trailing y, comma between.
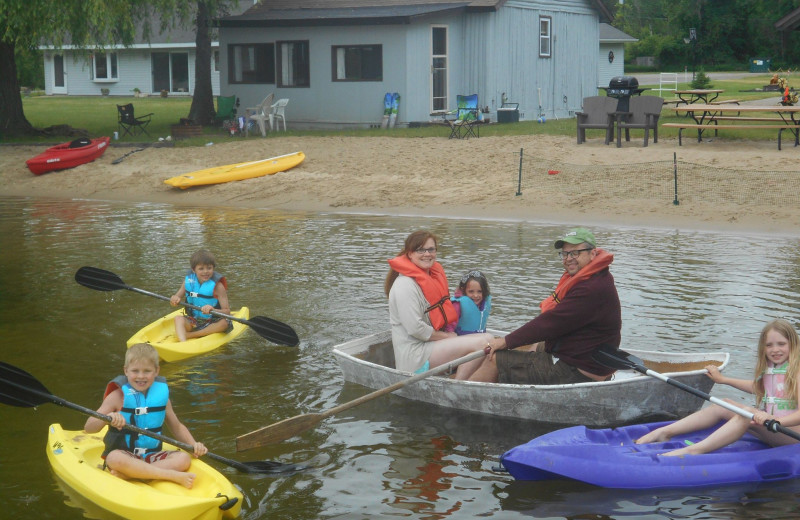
x: 204, y: 288
x: 141, y: 398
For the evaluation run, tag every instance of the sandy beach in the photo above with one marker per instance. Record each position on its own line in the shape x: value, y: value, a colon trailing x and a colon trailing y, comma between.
x: 476, y: 178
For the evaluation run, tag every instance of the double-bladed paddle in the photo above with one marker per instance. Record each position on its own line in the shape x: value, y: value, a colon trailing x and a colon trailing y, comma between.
x: 273, y: 330
x: 122, y: 158
x: 296, y: 425
x: 621, y: 360
x: 19, y: 388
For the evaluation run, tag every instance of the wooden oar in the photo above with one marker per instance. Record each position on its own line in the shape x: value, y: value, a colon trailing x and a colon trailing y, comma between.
x: 621, y: 360
x: 19, y: 388
x: 296, y: 425
x: 273, y: 330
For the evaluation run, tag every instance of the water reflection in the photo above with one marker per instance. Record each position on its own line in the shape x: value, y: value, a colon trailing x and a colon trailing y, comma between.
x: 323, y: 274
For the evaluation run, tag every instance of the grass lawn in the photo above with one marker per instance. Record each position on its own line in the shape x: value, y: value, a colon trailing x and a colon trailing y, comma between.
x: 99, y: 116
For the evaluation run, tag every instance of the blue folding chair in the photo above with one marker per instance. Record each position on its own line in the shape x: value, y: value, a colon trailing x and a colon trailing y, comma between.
x: 466, y: 123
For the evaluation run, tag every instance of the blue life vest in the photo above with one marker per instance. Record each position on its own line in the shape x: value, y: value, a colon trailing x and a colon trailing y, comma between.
x: 473, y: 318
x: 144, y: 411
x: 198, y: 294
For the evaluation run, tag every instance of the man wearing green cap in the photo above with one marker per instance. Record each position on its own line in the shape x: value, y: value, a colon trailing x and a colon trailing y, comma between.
x: 581, y: 315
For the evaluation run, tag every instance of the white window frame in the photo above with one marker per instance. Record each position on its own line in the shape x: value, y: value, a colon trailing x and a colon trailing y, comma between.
x: 545, y: 37
x: 109, y: 58
x: 443, y: 62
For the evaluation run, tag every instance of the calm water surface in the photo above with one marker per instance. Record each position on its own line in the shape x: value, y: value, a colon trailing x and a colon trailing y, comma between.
x: 323, y: 274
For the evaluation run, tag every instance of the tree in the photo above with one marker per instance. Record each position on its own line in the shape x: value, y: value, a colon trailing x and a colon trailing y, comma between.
x: 202, y: 109
x: 26, y: 24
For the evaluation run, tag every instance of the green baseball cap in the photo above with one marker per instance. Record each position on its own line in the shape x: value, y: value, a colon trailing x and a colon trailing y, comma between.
x: 576, y: 235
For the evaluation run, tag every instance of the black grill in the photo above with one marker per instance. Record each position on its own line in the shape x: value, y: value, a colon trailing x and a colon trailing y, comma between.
x: 622, y: 88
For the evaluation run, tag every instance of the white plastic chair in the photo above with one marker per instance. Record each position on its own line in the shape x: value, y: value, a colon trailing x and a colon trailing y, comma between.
x: 260, y: 115
x: 278, y: 112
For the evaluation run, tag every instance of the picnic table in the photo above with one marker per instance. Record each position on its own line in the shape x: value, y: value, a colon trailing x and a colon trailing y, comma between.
x: 691, y: 96
x: 707, y: 117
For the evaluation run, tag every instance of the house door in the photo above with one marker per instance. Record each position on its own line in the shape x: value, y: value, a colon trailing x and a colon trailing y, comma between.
x: 438, y: 69
x: 59, y: 75
x: 170, y: 71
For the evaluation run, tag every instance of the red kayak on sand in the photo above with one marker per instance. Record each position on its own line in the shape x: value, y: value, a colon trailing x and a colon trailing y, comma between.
x: 68, y: 155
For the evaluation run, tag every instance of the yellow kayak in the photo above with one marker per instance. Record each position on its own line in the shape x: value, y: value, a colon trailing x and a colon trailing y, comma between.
x: 161, y: 334
x: 237, y: 172
x: 75, y: 458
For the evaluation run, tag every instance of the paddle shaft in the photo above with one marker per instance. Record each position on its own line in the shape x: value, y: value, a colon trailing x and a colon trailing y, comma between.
x: 120, y: 159
x: 188, y: 305
x: 771, y: 425
x: 288, y: 428
x: 105, y: 418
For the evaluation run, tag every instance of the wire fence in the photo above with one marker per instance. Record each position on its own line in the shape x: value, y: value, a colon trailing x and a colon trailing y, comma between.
x: 672, y: 182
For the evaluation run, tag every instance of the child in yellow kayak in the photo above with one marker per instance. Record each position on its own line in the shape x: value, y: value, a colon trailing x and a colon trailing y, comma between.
x: 203, y: 287
x: 141, y: 397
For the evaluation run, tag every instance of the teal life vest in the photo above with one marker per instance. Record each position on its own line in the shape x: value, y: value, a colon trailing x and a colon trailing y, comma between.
x: 198, y: 294
x: 146, y: 411
x: 473, y: 318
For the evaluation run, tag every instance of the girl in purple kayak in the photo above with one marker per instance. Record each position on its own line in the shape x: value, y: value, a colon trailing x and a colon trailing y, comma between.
x: 776, y: 390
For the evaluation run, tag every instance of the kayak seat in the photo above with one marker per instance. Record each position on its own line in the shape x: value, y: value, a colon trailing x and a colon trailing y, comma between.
x: 129, y: 124
x: 80, y: 142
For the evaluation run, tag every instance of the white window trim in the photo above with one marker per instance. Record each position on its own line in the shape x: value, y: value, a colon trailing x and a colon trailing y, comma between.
x: 546, y: 36
x: 108, y: 68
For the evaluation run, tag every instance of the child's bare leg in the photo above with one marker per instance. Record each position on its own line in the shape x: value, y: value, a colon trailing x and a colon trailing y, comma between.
x: 217, y: 326
x: 449, y: 349
x: 727, y: 433
x: 181, y: 327
x: 705, y: 418
x: 125, y: 466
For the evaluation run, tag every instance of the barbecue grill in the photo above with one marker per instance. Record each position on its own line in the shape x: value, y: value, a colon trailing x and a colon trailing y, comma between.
x: 622, y: 88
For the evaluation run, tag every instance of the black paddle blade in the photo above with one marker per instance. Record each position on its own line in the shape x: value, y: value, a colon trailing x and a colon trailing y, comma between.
x: 616, y: 359
x: 270, y: 467
x: 14, y: 385
x: 99, y: 279
x: 274, y: 330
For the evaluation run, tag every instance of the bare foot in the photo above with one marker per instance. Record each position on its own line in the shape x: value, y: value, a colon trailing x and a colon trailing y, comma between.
x: 657, y: 435
x: 677, y: 453
x: 183, y: 478
x: 117, y: 474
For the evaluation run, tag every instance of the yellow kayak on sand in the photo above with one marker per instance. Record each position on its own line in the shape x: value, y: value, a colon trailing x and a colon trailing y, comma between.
x: 75, y: 458
x: 161, y: 334
x: 237, y: 172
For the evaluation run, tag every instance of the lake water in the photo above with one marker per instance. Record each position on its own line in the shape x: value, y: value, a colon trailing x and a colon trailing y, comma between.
x: 323, y: 274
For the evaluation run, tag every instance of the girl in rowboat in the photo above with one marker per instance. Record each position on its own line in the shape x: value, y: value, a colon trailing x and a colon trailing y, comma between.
x: 420, y: 311
x: 473, y: 303
x: 777, y: 394
x: 205, y: 288
x: 141, y: 398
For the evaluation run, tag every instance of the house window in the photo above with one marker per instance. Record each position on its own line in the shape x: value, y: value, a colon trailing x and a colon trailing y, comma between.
x: 104, y: 66
x: 293, y: 64
x: 357, y: 62
x: 251, y: 63
x: 545, y: 36
x: 215, y: 61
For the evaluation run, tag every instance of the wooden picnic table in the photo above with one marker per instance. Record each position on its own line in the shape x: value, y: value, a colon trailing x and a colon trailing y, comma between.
x: 706, y: 117
x: 691, y: 96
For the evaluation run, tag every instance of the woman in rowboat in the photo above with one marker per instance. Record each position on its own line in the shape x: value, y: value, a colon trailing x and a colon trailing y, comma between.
x: 420, y: 310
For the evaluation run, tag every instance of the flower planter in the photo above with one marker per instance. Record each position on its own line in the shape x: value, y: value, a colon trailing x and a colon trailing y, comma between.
x: 186, y: 131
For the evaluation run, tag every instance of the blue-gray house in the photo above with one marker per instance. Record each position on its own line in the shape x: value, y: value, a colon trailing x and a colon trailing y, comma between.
x: 335, y: 59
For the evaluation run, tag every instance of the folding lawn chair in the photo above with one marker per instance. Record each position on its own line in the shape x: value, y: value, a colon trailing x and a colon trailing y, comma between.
x: 466, y: 122
x: 130, y: 124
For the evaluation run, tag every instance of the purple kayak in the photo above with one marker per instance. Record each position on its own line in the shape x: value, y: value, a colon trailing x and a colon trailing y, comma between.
x: 610, y: 458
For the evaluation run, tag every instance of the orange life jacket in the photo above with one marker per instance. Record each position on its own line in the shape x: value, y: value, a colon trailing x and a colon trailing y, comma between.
x: 434, y: 287
x: 601, y: 261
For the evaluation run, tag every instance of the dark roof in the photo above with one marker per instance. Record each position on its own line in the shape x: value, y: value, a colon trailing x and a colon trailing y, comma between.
x: 355, y: 12
x: 610, y: 34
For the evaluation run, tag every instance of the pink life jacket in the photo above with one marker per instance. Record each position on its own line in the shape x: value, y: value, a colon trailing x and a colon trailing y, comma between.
x: 775, y: 401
